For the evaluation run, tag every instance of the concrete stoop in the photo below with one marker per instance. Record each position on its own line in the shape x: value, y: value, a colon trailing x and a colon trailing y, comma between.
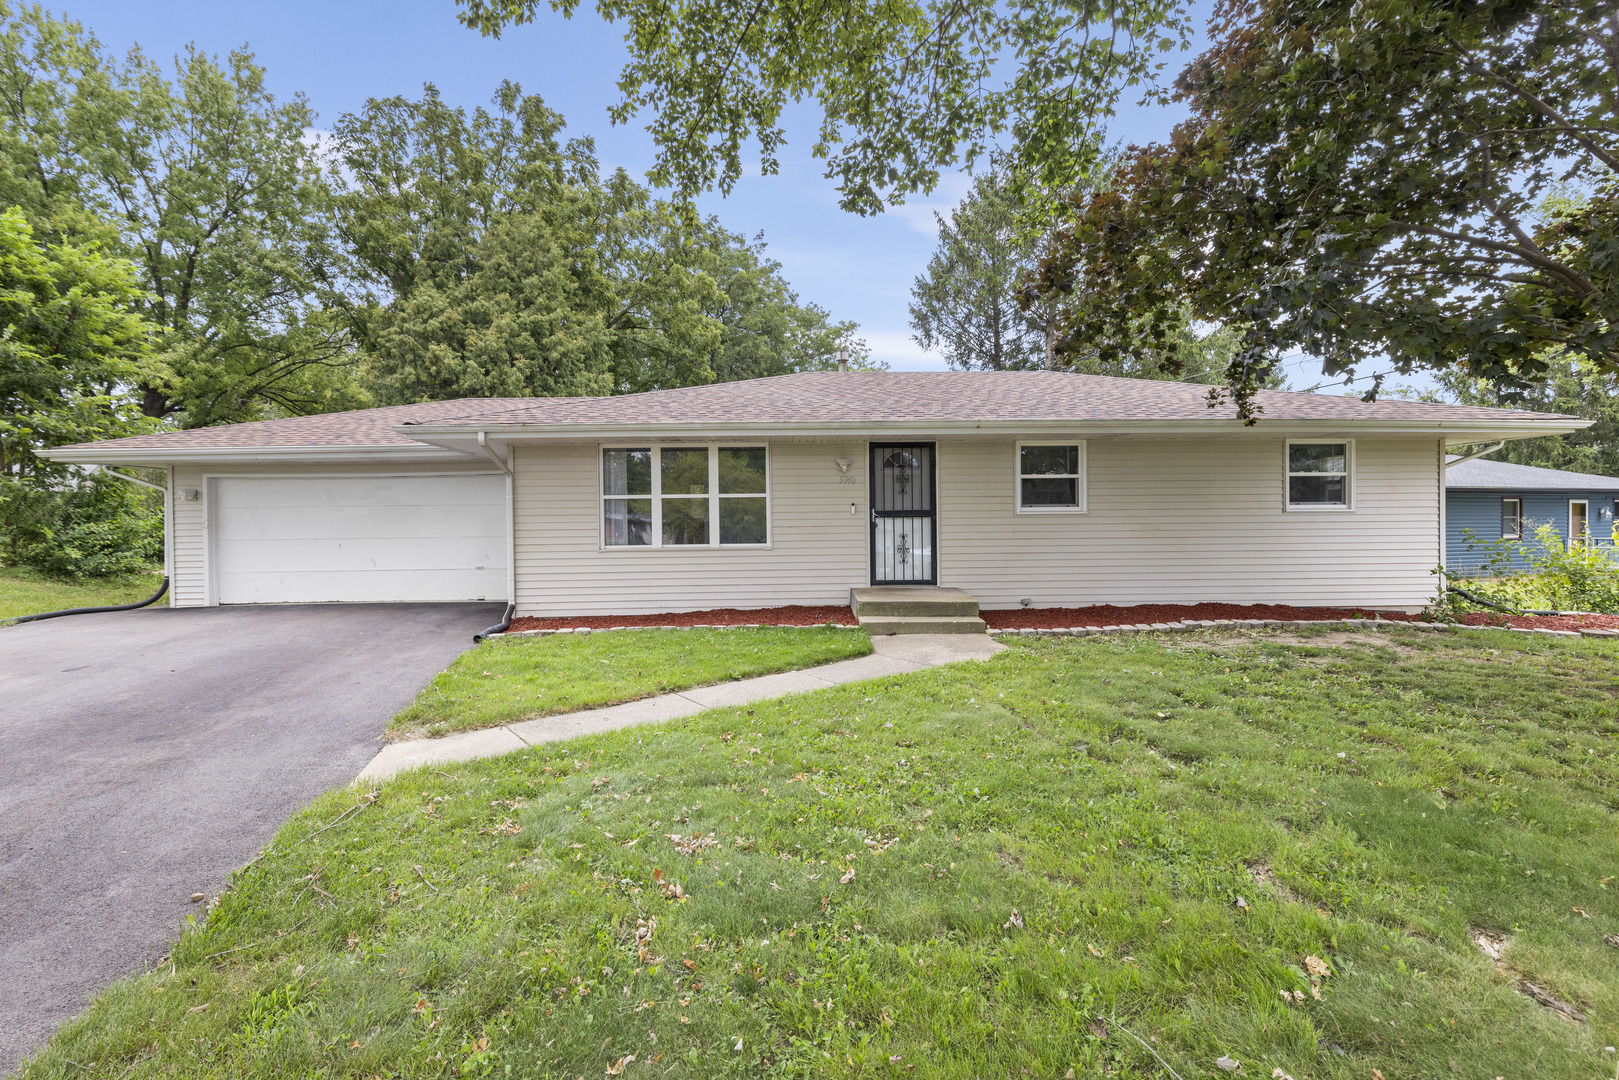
x: 915, y: 609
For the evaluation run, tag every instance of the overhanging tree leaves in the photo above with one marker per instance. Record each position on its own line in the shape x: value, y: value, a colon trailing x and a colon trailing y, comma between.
x: 906, y: 87
x: 1370, y: 183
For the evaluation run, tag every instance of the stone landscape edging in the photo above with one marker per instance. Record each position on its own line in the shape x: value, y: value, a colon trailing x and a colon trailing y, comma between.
x: 1123, y: 628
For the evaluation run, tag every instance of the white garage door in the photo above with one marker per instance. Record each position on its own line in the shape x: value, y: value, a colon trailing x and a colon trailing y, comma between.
x: 307, y: 539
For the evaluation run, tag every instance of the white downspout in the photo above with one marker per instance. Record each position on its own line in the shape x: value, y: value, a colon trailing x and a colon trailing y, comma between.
x: 489, y: 452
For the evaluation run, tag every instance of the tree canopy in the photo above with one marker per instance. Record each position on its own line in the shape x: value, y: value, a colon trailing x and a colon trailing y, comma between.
x: 202, y: 178
x: 906, y: 88
x: 1415, y: 185
x: 499, y: 261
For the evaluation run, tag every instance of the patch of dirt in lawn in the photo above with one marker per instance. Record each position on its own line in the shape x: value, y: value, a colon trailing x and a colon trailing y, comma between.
x: 1211, y: 639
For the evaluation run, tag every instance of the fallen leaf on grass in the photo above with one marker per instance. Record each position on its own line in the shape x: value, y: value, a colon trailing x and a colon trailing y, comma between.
x: 1581, y: 913
x: 847, y: 877
x: 618, y: 1069
x: 1230, y: 1064
x: 1016, y: 920
x: 1317, y: 967
x: 691, y: 845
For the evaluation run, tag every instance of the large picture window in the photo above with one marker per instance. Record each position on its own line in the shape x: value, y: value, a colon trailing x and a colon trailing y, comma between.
x: 1050, y: 477
x: 1318, y: 475
x: 685, y: 496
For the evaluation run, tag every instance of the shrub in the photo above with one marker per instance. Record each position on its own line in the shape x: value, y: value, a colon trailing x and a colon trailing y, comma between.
x: 99, y: 527
x: 1561, y: 576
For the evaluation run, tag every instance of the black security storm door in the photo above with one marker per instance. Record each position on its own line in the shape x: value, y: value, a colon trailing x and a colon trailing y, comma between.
x: 903, y: 533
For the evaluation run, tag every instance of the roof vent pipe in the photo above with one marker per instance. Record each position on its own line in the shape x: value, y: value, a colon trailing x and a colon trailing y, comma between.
x: 843, y: 359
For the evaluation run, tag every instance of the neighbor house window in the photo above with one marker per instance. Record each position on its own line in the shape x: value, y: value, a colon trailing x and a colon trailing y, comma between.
x: 1318, y: 475
x: 1511, y: 519
x: 1050, y: 477
x: 685, y: 496
x: 1579, y: 521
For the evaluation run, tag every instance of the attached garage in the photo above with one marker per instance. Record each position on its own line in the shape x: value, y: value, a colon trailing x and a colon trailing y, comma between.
x: 326, y: 538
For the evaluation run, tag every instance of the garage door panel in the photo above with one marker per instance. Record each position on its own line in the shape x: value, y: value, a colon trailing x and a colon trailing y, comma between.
x: 361, y: 522
x: 427, y: 492
x: 359, y: 539
x: 376, y: 587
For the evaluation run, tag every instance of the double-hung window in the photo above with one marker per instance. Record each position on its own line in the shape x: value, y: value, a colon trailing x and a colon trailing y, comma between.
x: 1050, y: 477
x: 1511, y: 519
x: 685, y: 496
x: 1318, y: 475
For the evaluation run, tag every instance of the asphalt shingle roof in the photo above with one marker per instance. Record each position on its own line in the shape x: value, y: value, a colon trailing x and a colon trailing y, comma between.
x: 900, y: 396
x: 819, y: 397
x: 1482, y: 475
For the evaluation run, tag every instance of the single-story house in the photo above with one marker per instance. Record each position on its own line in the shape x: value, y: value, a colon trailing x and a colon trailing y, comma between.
x: 1033, y: 488
x: 1496, y: 500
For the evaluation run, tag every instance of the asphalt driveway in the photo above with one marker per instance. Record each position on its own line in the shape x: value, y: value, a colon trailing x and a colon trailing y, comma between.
x: 145, y: 755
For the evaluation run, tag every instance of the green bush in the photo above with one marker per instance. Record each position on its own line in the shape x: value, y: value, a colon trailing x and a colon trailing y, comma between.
x: 1561, y: 576
x: 99, y: 527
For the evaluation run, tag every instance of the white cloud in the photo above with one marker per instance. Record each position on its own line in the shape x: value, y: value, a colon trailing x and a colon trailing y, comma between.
x: 919, y: 214
x: 900, y: 351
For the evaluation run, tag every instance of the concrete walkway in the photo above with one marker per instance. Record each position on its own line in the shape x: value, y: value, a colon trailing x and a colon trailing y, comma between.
x: 895, y: 655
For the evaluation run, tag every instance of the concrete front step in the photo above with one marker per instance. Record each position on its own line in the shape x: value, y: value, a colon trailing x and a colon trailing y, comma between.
x: 878, y: 625
x: 910, y: 601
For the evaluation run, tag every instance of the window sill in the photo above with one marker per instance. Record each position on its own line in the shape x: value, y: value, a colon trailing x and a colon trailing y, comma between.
x: 684, y: 547
x: 1039, y: 510
x: 1307, y: 508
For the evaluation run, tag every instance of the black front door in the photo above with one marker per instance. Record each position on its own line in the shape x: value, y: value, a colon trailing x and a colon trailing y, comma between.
x: 903, y: 534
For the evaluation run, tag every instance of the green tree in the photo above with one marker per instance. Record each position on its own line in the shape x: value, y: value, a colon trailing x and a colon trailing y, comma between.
x: 72, y: 345
x: 1575, y: 386
x: 206, y: 183
x: 968, y: 304
x: 906, y: 87
x: 511, y: 323
x: 976, y: 302
x: 1366, y: 184
x: 757, y: 324
x: 497, y: 259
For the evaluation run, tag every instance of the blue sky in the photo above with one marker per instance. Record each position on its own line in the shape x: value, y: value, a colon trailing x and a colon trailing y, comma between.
x: 341, y: 52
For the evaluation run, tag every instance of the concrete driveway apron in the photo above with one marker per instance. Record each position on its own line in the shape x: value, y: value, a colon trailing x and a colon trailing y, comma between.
x: 145, y: 755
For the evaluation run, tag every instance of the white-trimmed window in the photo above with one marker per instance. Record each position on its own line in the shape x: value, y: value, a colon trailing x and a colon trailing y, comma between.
x: 1579, y: 521
x: 685, y: 496
x: 1511, y: 519
x: 1320, y: 475
x: 1050, y: 477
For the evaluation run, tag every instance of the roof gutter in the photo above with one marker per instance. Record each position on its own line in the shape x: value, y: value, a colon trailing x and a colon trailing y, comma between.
x: 137, y: 456
x: 1476, y: 454
x: 1458, y: 431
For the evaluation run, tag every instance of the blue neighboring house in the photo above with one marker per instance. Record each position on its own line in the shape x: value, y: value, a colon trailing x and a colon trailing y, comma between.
x: 1496, y: 500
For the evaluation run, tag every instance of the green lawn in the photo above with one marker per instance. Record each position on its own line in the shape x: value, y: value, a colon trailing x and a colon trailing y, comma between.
x: 23, y: 592
x: 984, y: 870
x: 511, y: 679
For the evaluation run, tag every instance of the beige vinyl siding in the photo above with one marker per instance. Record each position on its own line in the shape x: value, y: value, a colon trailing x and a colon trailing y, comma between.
x: 189, y: 541
x: 1182, y: 521
x: 817, y: 551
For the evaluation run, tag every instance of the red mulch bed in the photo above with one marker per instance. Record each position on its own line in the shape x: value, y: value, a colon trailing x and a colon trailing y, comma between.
x: 794, y: 615
x: 1049, y: 618
x: 1546, y: 622
x: 1107, y: 615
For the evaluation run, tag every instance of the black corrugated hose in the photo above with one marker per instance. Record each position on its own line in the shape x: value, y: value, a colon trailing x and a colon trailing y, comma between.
x: 154, y: 598
x: 500, y: 627
x: 1457, y: 589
